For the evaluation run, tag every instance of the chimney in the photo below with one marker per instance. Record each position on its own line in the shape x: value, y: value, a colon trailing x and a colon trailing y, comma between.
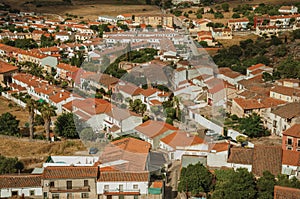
x: 60, y: 95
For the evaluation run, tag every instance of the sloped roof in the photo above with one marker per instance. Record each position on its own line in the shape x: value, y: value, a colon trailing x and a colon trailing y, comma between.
x: 291, y: 158
x: 181, y: 139
x: 239, y: 155
x: 293, y: 131
x: 124, y: 176
x: 286, y: 192
x: 131, y: 151
x: 288, y: 111
x: 153, y: 128
x: 267, y: 158
x: 70, y: 172
x: 20, y: 181
x: 6, y: 67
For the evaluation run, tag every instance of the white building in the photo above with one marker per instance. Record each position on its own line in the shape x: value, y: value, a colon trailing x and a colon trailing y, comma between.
x: 127, y: 184
x: 14, y: 185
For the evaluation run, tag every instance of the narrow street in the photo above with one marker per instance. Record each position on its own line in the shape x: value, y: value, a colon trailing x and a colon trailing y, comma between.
x: 171, y: 191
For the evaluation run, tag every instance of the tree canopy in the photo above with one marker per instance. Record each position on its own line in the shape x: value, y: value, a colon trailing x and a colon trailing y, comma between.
x: 10, y: 165
x: 234, y: 184
x: 9, y: 125
x: 195, y: 179
x: 65, y: 125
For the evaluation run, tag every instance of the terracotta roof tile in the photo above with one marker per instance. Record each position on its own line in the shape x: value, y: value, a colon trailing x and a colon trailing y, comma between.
x: 267, y: 158
x: 291, y: 158
x: 285, y: 90
x: 181, y: 139
x: 239, y: 155
x: 19, y: 181
x: 133, y: 152
x: 148, y: 92
x: 248, y: 103
x: 256, y: 66
x: 124, y: 177
x: 70, y: 172
x: 288, y: 111
x: 293, y: 131
x: 286, y: 192
x: 67, y: 67
x: 153, y: 128
x: 6, y: 67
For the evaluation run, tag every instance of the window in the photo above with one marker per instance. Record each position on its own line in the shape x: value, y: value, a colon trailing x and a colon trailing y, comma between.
x: 106, y: 187
x: 121, y: 197
x: 45, y: 195
x: 55, y: 196
x: 298, y: 143
x: 290, y: 141
x: 14, y: 193
x: 289, y: 148
x: 135, y: 197
x: 86, y: 183
x: 120, y: 187
x: 84, y: 195
x: 135, y: 186
x: 69, y: 184
x: 51, y: 184
x: 31, y: 192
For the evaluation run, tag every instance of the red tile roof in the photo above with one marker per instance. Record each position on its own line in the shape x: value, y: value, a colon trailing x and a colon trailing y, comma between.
x: 93, y: 106
x: 133, y: 152
x: 267, y: 158
x: 288, y: 91
x: 181, y: 139
x: 291, y: 158
x: 67, y: 67
x: 148, y: 92
x: 286, y: 192
x: 70, y: 172
x: 124, y: 177
x: 153, y: 128
x: 132, y: 145
x: 293, y: 131
x: 239, y: 155
x: 256, y: 66
x: 20, y: 181
x: 6, y: 67
x: 248, y: 103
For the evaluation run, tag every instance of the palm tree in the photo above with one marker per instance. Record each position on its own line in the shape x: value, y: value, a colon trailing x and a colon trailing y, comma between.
x: 31, y: 105
x: 176, y: 105
x: 47, y: 112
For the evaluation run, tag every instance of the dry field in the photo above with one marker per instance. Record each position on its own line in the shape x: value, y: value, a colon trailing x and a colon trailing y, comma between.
x: 34, y: 153
x: 89, y: 9
x: 21, y: 113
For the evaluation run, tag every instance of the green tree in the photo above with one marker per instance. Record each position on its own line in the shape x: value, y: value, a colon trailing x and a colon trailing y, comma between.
x: 10, y: 165
x: 225, y: 7
x: 195, y: 179
x: 252, y: 126
x: 236, y: 15
x: 265, y: 186
x: 31, y: 106
x: 65, y: 125
x: 137, y: 106
x: 234, y: 184
x: 9, y: 124
x: 47, y: 112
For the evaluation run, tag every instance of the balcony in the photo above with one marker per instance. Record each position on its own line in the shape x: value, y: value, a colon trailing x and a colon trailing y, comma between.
x: 122, y: 192
x: 70, y: 189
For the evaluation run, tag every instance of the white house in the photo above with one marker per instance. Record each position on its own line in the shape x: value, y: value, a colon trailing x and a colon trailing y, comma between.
x: 14, y: 185
x: 108, y: 19
x: 178, y: 144
x: 113, y: 184
x: 288, y: 9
